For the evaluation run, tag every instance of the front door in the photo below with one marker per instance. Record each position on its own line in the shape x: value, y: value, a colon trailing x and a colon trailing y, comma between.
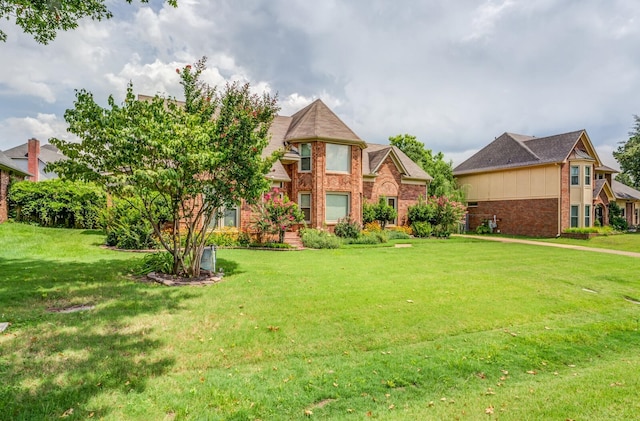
x: 600, y: 215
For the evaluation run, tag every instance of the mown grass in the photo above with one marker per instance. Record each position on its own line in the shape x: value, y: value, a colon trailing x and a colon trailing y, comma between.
x: 445, y: 329
x: 624, y: 242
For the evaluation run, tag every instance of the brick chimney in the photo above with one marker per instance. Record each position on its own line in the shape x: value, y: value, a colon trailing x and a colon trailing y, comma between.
x: 33, y: 157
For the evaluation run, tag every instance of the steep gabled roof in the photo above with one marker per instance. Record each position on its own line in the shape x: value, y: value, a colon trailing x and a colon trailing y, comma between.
x: 512, y: 150
x: 7, y: 164
x: 374, y: 155
x: 317, y: 121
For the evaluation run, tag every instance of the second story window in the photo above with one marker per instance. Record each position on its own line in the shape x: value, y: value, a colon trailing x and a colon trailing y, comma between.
x: 305, y: 157
x: 338, y: 158
x: 575, y: 175
x: 587, y: 175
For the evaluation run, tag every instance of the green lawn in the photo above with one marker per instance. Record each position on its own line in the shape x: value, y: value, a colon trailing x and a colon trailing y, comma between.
x: 445, y: 329
x: 624, y: 242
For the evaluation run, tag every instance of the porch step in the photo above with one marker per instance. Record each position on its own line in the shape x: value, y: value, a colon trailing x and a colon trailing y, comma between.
x: 293, y: 239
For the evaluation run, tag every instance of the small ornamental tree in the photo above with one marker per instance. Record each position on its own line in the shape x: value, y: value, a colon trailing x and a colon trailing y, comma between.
x: 193, y: 158
x: 384, y: 212
x: 442, y: 213
x: 276, y: 214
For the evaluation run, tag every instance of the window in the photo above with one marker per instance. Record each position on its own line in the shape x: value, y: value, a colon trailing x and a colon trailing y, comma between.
x: 305, y: 206
x: 600, y: 176
x: 336, y: 206
x: 587, y: 215
x: 587, y: 175
x: 472, y: 204
x: 305, y: 157
x: 574, y: 216
x: 575, y: 176
x: 338, y: 158
x: 393, y: 202
x: 230, y: 218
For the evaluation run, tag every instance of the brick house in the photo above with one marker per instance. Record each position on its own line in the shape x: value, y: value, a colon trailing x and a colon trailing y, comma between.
x: 538, y: 186
x: 330, y: 172
x: 33, y: 158
x: 8, y: 172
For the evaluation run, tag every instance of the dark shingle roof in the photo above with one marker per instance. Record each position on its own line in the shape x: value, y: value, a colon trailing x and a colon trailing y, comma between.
x: 512, y: 150
x: 622, y: 191
x: 374, y: 154
x: 317, y: 121
x: 48, y: 153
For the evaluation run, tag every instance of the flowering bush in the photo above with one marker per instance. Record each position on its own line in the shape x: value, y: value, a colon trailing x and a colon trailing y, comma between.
x: 276, y: 214
x: 441, y: 212
x: 347, y: 228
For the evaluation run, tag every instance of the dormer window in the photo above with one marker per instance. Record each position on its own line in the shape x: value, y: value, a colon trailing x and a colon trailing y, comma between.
x: 305, y: 157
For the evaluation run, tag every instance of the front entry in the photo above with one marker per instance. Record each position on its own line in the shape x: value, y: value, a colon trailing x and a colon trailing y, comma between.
x: 600, y: 215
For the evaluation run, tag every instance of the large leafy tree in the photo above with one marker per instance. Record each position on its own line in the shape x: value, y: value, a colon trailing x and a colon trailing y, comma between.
x: 443, y: 183
x: 193, y: 157
x: 628, y: 156
x: 45, y: 18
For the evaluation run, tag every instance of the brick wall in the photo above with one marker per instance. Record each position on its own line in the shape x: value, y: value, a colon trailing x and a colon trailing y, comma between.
x: 565, y: 197
x: 388, y: 183
x: 4, y: 187
x: 532, y: 217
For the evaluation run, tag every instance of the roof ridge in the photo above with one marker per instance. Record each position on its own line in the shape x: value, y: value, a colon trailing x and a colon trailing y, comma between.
x: 522, y: 144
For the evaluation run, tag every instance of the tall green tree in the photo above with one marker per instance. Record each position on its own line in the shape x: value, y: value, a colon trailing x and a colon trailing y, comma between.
x: 194, y: 157
x: 628, y: 156
x: 443, y: 183
x: 45, y: 18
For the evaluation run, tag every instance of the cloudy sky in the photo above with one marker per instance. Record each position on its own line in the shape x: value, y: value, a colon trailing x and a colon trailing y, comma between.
x: 456, y: 74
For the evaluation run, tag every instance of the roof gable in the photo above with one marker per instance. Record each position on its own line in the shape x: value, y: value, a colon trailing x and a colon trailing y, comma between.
x: 7, y: 164
x: 374, y: 155
x: 513, y: 150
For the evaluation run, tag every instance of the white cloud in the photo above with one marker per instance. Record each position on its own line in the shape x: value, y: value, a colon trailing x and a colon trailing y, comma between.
x: 43, y: 126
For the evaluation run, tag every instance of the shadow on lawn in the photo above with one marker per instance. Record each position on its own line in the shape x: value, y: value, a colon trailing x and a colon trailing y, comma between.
x: 52, y: 364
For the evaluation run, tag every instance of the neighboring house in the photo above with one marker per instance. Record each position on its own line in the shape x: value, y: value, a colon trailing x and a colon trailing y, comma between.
x: 32, y: 158
x: 8, y: 171
x: 330, y: 172
x: 537, y: 186
x: 628, y: 199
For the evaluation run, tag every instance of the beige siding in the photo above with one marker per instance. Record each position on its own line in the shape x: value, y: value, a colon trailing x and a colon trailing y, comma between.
x: 523, y: 183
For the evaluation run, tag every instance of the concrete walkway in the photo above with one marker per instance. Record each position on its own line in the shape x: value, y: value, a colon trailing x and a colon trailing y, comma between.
x: 542, y: 243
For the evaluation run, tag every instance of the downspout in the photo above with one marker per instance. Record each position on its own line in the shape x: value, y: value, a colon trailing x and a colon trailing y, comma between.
x: 559, y: 201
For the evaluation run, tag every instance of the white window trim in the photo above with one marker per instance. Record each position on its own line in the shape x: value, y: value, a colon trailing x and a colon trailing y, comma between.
x: 310, y: 158
x: 587, y: 215
x: 219, y: 223
x: 571, y: 175
x: 587, y: 179
x: 327, y: 170
x: 577, y: 217
x: 310, y: 203
x: 337, y: 193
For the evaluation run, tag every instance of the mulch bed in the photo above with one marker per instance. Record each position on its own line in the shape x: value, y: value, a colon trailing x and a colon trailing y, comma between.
x: 176, y: 281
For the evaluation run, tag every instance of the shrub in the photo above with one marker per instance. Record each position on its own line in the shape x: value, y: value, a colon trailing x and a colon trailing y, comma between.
x: 57, y: 203
x: 372, y: 226
x: 276, y: 215
x: 317, y: 239
x: 402, y: 228
x: 484, y: 228
x: 422, y: 229
x: 271, y: 245
x: 347, y: 228
x: 375, y: 237
x: 616, y: 220
x: 368, y: 213
x: 441, y: 212
x: 397, y: 234
x: 225, y: 236
x: 161, y: 262
x: 126, y: 228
